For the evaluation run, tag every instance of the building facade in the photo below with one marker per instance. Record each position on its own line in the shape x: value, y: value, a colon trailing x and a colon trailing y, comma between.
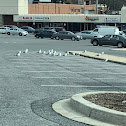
x: 20, y: 13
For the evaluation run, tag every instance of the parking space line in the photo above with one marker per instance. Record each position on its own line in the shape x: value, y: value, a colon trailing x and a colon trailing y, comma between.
x: 103, y: 78
x: 57, y: 78
x: 29, y: 63
x: 47, y: 72
x: 67, y: 72
x: 106, y: 68
x: 79, y: 86
x: 26, y: 66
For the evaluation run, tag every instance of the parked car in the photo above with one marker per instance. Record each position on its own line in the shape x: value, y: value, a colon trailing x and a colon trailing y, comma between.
x: 3, y: 30
x: 43, y: 29
x: 18, y: 31
x: 114, y: 40
x: 11, y: 26
x: 28, y: 29
x: 45, y: 34
x: 57, y: 29
x: 66, y: 35
x: 85, y: 34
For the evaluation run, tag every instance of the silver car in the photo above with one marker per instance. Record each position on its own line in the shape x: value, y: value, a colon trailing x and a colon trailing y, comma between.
x: 17, y: 31
x: 3, y: 30
x: 87, y: 34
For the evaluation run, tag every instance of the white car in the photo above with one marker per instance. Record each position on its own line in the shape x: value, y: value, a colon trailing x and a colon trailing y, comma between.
x: 17, y: 31
x: 3, y: 30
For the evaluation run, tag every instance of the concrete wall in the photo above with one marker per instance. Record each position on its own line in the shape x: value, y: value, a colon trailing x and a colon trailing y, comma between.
x: 52, y: 8
x: 123, y: 15
x: 1, y: 20
x: 9, y: 7
x: 22, y: 6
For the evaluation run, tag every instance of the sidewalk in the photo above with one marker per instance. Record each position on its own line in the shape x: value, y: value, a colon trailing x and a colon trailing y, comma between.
x: 100, y: 56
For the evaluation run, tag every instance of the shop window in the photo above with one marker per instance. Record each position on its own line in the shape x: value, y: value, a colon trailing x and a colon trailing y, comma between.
x: 87, y: 2
x: 82, y: 10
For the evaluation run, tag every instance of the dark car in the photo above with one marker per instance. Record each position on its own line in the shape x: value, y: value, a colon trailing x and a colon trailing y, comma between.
x: 44, y: 29
x: 114, y: 40
x: 28, y: 29
x: 66, y: 35
x: 57, y: 29
x: 45, y: 34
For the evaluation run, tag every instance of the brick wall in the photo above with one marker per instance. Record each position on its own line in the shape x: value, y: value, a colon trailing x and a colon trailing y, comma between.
x: 52, y: 8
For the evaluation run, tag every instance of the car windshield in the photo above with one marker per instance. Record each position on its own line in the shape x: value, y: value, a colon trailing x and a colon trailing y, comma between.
x: 71, y: 33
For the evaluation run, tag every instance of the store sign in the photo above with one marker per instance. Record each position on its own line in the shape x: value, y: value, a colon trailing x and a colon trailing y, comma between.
x: 112, y: 19
x: 36, y: 18
x: 92, y: 18
x: 25, y: 18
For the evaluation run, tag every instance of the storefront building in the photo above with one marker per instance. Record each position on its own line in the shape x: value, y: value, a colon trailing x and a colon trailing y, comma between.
x: 72, y: 17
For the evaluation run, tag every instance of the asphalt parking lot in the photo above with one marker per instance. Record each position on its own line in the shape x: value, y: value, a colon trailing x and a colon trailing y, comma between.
x: 32, y: 82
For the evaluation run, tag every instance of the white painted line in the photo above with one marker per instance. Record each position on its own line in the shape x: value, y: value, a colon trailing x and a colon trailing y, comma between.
x: 74, y: 72
x: 67, y: 72
x: 81, y: 86
x: 30, y: 63
x: 103, y: 78
x: 107, y: 68
x: 26, y: 66
x: 118, y: 73
x: 57, y: 78
x: 47, y: 72
x: 22, y: 59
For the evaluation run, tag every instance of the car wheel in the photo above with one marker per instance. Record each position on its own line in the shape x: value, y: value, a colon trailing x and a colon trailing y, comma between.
x: 120, y: 44
x: 51, y: 37
x: 95, y: 43
x: 37, y: 36
x: 61, y: 39
x: 41, y: 37
x: 8, y: 33
x: 73, y: 38
x: 57, y: 37
x: 20, y: 34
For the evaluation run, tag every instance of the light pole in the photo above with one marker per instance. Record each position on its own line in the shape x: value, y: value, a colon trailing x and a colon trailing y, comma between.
x: 96, y: 6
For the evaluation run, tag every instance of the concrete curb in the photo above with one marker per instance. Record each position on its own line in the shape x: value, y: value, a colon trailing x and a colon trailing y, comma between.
x: 81, y: 110
x: 110, y: 58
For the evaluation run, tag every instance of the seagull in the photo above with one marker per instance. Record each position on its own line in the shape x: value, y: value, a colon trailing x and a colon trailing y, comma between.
x: 60, y: 54
x: 40, y: 51
x: 18, y: 54
x: 19, y: 51
x: 106, y: 59
x: 26, y: 51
